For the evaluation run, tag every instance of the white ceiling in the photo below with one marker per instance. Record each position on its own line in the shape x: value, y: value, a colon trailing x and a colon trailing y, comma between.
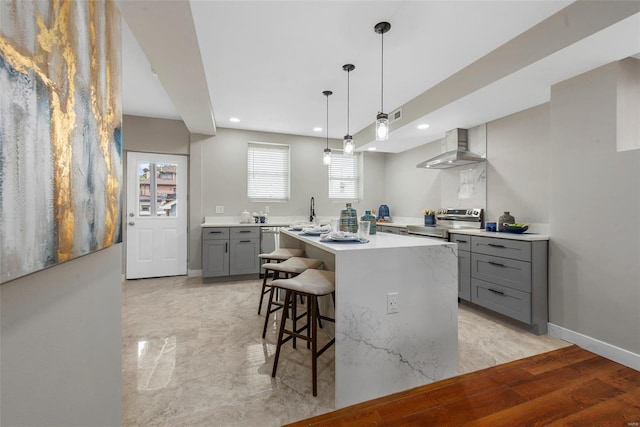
x: 267, y: 62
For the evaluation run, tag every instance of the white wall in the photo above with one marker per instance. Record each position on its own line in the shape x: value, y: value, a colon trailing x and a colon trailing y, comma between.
x: 409, y: 189
x: 519, y: 165
x: 594, y: 277
x: 60, y: 351
x: 219, y: 178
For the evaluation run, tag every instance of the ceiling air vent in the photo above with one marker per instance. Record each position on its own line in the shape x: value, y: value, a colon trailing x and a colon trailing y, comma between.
x: 395, y: 115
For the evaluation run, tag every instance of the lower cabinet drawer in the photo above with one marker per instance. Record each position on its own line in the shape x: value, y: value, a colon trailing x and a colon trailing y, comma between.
x: 502, y: 299
x: 503, y: 271
x: 244, y: 232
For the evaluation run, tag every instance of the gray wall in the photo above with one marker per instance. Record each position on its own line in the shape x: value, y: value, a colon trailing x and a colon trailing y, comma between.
x: 218, y: 175
x: 409, y: 189
x: 60, y: 346
x: 518, y: 167
x: 595, y: 254
x: 154, y: 135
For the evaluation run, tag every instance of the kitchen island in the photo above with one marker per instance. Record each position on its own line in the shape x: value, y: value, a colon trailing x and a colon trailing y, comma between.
x: 378, y: 353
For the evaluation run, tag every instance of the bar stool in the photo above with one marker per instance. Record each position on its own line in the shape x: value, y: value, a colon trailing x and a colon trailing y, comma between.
x: 278, y: 255
x: 312, y: 284
x: 291, y: 267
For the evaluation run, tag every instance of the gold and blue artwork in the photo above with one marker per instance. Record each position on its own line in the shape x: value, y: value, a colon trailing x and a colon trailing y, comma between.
x: 60, y: 132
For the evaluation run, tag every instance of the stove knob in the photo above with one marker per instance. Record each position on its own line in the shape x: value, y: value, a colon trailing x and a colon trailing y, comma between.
x: 469, y: 212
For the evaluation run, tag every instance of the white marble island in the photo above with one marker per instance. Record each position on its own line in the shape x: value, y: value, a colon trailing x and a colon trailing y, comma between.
x: 378, y: 353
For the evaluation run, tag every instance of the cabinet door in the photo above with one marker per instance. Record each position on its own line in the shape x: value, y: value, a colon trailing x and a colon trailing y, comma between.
x: 464, y: 275
x: 215, y: 258
x: 244, y: 256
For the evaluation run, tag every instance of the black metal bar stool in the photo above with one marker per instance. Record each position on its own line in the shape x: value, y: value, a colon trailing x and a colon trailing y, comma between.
x: 276, y: 256
x: 291, y: 267
x: 312, y: 284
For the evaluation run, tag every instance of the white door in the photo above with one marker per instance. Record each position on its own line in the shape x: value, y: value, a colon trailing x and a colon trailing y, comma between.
x: 156, y: 215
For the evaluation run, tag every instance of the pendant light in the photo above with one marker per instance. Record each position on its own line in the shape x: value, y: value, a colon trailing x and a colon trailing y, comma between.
x: 382, y: 119
x: 326, y: 157
x: 347, y: 143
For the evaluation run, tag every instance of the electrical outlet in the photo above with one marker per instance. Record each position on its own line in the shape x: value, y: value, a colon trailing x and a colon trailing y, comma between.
x: 219, y: 209
x: 266, y: 209
x: 392, y: 302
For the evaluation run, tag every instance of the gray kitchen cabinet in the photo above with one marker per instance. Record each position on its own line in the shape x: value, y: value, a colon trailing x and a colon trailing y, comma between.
x: 230, y: 251
x: 464, y: 265
x: 215, y: 252
x: 245, y: 248
x: 391, y: 229
x: 510, y: 277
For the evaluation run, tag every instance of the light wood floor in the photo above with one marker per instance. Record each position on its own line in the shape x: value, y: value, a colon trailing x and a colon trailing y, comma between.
x: 565, y: 387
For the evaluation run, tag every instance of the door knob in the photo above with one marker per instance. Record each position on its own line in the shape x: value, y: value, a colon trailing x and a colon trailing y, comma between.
x: 131, y: 223
x: 131, y: 214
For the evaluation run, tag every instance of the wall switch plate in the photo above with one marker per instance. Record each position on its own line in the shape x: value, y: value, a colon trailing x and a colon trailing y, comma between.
x: 219, y: 209
x: 392, y: 302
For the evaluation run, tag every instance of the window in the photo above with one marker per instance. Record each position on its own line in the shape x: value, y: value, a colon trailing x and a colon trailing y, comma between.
x: 267, y: 172
x: 343, y: 177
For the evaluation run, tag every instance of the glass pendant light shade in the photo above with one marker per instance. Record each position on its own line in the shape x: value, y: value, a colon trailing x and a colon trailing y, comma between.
x: 326, y: 157
x: 347, y: 145
x: 382, y: 127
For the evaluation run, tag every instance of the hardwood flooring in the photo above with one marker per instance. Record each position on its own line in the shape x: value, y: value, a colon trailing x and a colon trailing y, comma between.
x: 565, y: 387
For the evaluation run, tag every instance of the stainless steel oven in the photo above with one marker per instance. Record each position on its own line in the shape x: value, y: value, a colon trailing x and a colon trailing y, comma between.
x: 448, y: 219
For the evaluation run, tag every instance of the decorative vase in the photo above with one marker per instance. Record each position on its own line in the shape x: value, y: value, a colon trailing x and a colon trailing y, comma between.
x: 349, y: 219
x: 508, y: 218
x: 368, y: 216
x: 429, y: 220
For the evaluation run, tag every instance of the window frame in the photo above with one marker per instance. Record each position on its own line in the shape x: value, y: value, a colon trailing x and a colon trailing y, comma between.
x: 357, y: 161
x: 282, y: 147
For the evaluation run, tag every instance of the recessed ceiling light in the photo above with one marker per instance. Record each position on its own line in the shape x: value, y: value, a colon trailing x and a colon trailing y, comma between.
x: 372, y: 148
x: 317, y: 129
x: 234, y: 119
x: 423, y: 126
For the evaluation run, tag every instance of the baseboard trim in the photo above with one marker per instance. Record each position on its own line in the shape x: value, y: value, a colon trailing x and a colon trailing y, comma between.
x: 617, y: 354
x: 194, y: 273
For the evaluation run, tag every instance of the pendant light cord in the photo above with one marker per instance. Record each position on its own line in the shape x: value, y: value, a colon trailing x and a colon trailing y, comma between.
x: 382, y: 75
x: 327, y: 120
x: 348, y: 72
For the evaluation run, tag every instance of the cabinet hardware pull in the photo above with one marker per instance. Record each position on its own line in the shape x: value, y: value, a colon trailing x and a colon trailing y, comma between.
x: 245, y: 231
x: 245, y: 241
x: 496, y: 292
x: 497, y: 264
x: 496, y: 246
x: 226, y: 247
x: 215, y: 232
x: 461, y: 241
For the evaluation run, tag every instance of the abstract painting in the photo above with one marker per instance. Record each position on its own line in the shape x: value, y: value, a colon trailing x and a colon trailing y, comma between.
x: 60, y: 132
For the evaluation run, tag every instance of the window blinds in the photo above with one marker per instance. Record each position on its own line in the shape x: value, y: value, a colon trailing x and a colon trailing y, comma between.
x: 343, y: 177
x: 268, y: 172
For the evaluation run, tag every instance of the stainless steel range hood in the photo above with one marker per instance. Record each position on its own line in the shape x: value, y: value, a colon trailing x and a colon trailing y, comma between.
x: 457, y: 152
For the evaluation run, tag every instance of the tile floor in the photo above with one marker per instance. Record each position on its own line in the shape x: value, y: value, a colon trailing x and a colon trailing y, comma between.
x: 193, y: 355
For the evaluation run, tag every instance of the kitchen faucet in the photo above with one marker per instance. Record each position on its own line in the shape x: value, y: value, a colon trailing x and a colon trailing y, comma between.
x: 312, y: 211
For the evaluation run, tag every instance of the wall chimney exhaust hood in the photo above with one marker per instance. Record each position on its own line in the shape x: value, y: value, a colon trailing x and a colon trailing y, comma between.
x: 456, y: 152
